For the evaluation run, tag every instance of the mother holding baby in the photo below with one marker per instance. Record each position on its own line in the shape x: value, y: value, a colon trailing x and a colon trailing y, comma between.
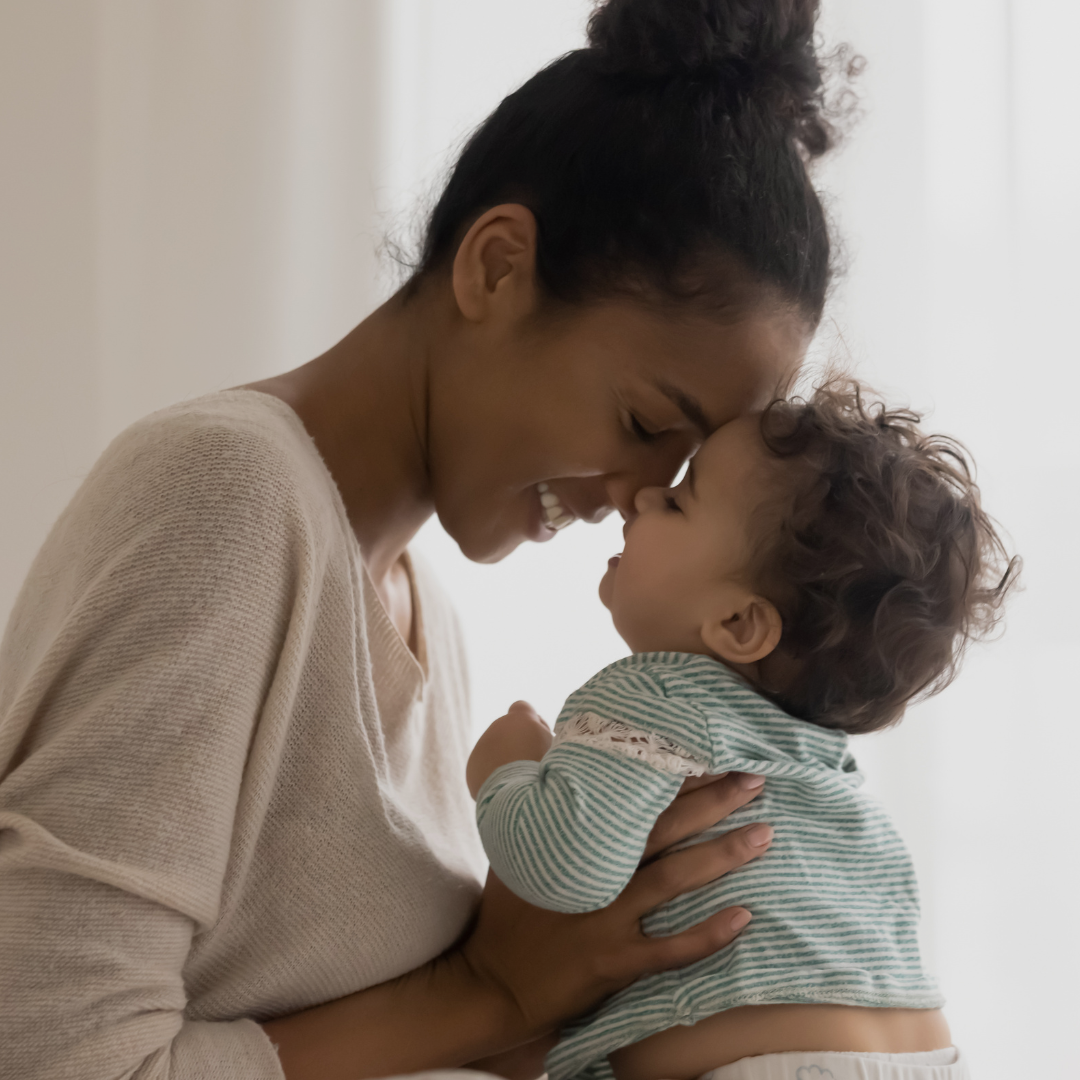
x: 235, y: 836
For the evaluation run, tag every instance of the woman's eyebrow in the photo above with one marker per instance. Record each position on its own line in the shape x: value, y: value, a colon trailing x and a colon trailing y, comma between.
x: 689, y: 406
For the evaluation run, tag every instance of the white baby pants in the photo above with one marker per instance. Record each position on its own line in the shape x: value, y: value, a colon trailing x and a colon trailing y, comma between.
x: 935, y: 1065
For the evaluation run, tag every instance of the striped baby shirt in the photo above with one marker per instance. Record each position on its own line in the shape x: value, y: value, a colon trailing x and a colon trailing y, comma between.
x: 834, y: 900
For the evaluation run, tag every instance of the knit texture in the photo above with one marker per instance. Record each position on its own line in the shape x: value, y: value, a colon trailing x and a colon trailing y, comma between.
x: 834, y: 900
x: 228, y: 790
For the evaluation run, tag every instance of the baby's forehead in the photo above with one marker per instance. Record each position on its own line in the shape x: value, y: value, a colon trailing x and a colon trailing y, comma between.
x: 735, y: 465
x: 736, y: 444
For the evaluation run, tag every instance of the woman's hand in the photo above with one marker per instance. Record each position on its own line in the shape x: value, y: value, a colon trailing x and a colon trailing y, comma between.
x: 524, y: 971
x: 548, y: 967
x: 702, y: 802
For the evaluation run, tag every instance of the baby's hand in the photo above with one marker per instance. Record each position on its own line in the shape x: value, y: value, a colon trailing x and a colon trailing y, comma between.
x: 520, y: 735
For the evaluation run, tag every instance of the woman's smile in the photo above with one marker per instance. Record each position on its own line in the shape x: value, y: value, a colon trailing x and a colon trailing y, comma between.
x: 544, y: 512
x: 555, y: 515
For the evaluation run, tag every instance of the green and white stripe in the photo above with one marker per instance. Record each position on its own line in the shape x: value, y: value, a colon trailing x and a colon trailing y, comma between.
x: 834, y: 900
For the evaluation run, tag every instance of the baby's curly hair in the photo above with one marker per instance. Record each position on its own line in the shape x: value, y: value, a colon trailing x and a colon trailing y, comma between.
x: 885, y: 565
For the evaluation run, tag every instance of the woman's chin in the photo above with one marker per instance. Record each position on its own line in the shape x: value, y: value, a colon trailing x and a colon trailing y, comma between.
x: 500, y: 535
x: 494, y: 544
x: 489, y: 549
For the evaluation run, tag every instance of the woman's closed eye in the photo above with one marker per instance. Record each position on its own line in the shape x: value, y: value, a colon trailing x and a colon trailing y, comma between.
x: 641, y: 432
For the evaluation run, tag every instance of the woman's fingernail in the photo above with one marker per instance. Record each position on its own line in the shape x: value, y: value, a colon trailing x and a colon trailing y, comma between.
x: 740, y: 919
x: 759, y: 835
x: 750, y: 782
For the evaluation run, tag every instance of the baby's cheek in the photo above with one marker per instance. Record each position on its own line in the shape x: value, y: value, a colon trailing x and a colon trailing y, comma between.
x: 644, y: 622
x: 605, y: 588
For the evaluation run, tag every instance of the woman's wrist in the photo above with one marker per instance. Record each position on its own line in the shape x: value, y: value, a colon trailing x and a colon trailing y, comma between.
x: 500, y: 1022
x: 442, y: 1015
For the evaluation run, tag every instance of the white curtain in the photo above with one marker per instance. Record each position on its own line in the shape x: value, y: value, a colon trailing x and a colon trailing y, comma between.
x: 186, y: 203
x: 959, y: 199
x: 192, y: 194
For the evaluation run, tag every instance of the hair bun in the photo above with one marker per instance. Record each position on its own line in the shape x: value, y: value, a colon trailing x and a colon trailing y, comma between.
x: 762, y: 49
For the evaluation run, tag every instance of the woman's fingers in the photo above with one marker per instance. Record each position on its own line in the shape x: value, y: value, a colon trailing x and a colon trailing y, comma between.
x: 548, y: 967
x: 715, y: 933
x: 683, y: 871
x: 693, y: 782
x: 702, y: 802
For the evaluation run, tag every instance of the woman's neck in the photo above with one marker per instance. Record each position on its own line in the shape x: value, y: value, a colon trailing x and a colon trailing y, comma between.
x: 364, y: 402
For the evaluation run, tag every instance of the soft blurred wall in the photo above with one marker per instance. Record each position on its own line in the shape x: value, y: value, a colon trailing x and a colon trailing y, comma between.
x: 187, y: 202
x: 48, y: 280
x: 194, y: 193
x: 957, y: 200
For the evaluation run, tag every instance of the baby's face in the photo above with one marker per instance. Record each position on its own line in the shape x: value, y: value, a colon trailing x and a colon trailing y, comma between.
x: 689, y: 549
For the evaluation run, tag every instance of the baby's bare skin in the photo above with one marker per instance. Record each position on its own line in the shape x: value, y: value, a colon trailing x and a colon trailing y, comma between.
x: 683, y: 1053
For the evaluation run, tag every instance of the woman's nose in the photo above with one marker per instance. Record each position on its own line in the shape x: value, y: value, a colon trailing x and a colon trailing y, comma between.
x: 621, y: 490
x: 630, y: 498
x: 652, y: 482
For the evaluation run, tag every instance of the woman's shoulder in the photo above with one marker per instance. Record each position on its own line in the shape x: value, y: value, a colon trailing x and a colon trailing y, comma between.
x: 232, y: 431
x: 213, y: 456
x: 228, y: 478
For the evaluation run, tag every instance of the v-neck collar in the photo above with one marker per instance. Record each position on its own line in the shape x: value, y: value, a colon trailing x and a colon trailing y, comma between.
x: 419, y: 659
x: 404, y: 671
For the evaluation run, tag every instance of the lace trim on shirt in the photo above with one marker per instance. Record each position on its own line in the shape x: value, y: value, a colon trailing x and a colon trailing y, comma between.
x: 588, y: 729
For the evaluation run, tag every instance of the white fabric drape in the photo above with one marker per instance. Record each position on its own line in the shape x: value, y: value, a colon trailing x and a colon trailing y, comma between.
x: 958, y: 198
x: 191, y: 196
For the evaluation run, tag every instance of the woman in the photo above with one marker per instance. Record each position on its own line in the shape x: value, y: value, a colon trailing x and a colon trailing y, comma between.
x: 236, y: 836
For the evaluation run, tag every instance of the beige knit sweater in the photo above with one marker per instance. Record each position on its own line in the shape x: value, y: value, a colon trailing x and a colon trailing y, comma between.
x: 228, y: 790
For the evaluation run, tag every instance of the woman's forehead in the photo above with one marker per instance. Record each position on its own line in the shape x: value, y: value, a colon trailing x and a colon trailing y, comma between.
x: 713, y: 371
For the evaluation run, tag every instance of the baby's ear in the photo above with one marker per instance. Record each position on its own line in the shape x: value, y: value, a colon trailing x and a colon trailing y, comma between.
x: 746, y: 635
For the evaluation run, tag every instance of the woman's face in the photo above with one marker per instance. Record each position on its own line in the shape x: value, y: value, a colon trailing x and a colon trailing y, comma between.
x: 581, y: 410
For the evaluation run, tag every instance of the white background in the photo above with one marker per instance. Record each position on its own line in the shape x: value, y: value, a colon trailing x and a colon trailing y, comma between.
x: 192, y: 194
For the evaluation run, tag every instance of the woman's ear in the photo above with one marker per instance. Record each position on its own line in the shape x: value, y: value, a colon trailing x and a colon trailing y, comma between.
x: 747, y: 635
x: 495, y: 264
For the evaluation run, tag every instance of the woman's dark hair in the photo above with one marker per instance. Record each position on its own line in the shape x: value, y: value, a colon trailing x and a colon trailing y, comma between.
x: 670, y: 152
x: 885, y: 565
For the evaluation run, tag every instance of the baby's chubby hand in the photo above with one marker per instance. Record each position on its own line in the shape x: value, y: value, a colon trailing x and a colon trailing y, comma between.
x: 520, y: 735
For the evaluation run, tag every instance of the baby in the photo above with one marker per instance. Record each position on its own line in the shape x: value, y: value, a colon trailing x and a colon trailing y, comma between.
x: 821, y: 565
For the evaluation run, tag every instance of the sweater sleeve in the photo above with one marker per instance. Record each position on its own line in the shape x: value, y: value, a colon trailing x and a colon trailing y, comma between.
x: 131, y: 681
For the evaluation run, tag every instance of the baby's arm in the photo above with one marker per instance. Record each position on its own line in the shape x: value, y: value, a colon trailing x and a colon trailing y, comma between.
x: 567, y: 832
x: 520, y: 735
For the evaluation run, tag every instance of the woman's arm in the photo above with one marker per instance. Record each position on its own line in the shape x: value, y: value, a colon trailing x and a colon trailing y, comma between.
x: 130, y: 687
x: 523, y: 970
x: 132, y: 678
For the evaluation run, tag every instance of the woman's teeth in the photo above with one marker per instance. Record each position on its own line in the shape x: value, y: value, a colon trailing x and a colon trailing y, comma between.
x: 555, y: 515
